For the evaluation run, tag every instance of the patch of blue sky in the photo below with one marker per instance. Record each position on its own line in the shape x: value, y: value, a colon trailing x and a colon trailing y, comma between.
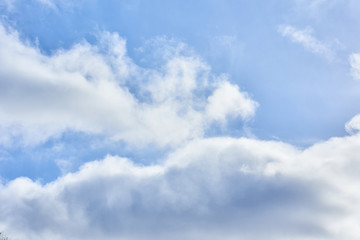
x: 65, y: 154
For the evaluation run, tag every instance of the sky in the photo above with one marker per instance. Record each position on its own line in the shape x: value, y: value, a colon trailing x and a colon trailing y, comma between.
x: 180, y: 119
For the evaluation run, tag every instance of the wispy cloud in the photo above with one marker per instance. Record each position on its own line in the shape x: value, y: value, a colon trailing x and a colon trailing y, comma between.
x: 354, y: 60
x: 10, y: 5
x: 307, y: 40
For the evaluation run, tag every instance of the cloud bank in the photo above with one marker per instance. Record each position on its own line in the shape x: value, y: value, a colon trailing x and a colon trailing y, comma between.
x: 217, y: 188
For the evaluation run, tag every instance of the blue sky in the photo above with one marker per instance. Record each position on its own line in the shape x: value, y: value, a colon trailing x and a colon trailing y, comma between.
x: 162, y: 119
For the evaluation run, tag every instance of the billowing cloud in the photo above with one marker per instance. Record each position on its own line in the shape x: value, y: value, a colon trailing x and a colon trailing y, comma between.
x: 97, y: 89
x: 354, y: 60
x: 305, y: 38
x: 216, y: 188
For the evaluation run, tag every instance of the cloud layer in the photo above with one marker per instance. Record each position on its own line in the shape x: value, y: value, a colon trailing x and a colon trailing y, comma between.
x: 217, y: 188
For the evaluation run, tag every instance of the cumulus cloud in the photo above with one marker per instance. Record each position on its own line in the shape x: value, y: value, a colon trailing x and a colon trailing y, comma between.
x: 216, y: 188
x: 227, y: 100
x: 98, y: 89
x: 354, y: 60
x: 305, y: 38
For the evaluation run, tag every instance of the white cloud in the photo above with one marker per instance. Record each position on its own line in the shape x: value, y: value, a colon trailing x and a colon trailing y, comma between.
x: 305, y: 38
x: 217, y: 188
x: 227, y: 101
x: 354, y: 60
x: 87, y: 89
x: 353, y: 125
